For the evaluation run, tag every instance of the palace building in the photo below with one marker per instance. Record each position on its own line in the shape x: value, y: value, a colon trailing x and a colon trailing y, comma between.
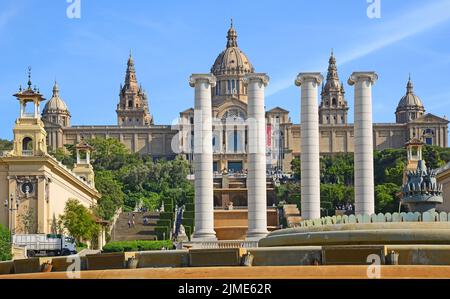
x: 135, y: 127
x: 34, y: 186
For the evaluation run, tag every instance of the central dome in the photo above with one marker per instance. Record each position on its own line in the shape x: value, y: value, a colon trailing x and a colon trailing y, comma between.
x: 232, y: 60
x: 55, y: 104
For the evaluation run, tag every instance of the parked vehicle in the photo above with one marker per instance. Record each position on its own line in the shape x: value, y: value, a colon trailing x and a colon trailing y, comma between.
x: 41, y: 244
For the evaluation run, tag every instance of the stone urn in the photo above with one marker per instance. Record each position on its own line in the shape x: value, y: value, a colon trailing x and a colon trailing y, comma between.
x: 47, y: 267
x: 132, y: 263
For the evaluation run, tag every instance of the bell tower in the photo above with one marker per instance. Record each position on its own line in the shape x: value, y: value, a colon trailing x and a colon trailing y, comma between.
x: 133, y: 108
x: 29, y: 133
x: 333, y: 107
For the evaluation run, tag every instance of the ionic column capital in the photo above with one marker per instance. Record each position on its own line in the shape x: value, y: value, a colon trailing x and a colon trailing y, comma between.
x: 372, y: 77
x: 305, y: 77
x: 260, y: 77
x: 209, y: 78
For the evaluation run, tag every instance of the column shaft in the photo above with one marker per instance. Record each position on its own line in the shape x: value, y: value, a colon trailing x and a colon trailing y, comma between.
x: 309, y: 155
x: 256, y: 157
x: 363, y: 140
x: 203, y: 158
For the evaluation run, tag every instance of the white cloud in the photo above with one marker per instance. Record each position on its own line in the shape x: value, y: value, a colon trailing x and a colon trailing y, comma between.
x: 413, y: 22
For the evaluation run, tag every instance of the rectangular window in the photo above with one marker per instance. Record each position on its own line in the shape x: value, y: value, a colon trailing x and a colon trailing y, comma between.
x: 429, y: 141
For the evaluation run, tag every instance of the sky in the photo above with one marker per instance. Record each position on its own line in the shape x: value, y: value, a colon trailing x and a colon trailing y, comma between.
x: 172, y: 39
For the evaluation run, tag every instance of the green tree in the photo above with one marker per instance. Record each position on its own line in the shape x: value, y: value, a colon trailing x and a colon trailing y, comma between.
x: 112, y: 194
x: 5, y: 244
x: 386, y: 198
x: 65, y: 156
x: 5, y: 145
x: 79, y: 221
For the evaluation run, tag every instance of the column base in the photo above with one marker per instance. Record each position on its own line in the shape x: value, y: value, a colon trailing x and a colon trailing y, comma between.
x: 256, y: 235
x: 204, y: 237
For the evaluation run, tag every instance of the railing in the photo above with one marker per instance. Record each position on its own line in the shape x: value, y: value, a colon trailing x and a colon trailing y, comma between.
x: 27, y: 153
x: 225, y: 244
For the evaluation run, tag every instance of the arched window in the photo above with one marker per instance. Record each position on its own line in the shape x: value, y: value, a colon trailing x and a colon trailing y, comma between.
x: 333, y: 101
x: 27, y: 144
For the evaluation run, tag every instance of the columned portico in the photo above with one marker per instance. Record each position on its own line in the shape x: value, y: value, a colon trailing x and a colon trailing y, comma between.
x: 310, y: 160
x: 203, y: 158
x: 256, y: 179
x: 364, y: 177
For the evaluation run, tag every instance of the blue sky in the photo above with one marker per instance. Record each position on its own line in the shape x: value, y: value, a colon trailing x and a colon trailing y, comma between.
x: 172, y: 39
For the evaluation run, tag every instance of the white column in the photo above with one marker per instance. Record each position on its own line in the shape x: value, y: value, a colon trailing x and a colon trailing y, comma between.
x: 363, y: 140
x: 256, y: 157
x: 203, y: 158
x: 309, y: 155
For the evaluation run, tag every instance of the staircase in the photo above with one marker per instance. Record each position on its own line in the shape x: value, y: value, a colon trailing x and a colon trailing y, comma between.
x: 140, y: 231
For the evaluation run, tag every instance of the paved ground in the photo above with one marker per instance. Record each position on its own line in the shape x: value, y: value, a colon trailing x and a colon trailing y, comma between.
x: 278, y: 272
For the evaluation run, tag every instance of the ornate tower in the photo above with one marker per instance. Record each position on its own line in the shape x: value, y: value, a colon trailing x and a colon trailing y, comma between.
x: 410, y: 106
x: 132, y: 109
x: 333, y: 107
x: 83, y: 167
x: 29, y: 133
x: 56, y: 116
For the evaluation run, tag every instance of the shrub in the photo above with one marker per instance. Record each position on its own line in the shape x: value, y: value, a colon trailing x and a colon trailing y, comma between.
x: 125, y: 246
x: 5, y: 244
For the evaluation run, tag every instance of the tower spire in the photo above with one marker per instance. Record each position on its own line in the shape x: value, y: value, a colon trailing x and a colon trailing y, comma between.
x: 409, y: 86
x: 130, y: 76
x: 231, y: 36
x: 29, y: 77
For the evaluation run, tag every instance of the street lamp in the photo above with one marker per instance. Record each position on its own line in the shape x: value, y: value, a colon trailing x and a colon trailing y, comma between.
x: 11, y: 207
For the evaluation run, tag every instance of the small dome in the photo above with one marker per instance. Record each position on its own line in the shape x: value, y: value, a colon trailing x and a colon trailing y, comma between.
x: 232, y: 60
x: 410, y: 100
x: 56, y: 104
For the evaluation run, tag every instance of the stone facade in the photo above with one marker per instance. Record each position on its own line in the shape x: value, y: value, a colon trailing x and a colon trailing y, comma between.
x: 33, y: 184
x: 229, y: 107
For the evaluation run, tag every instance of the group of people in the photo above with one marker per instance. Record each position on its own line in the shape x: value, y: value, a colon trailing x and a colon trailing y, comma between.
x: 344, y: 207
x: 131, y: 220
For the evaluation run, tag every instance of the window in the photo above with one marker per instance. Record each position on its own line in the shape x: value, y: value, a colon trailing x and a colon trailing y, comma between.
x: 27, y: 144
x: 130, y: 104
x: 429, y: 141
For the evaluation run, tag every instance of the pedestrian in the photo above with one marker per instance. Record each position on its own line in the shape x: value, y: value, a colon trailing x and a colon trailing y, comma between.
x: 129, y: 223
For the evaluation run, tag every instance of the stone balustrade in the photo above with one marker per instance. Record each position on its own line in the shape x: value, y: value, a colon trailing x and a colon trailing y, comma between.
x: 379, y: 218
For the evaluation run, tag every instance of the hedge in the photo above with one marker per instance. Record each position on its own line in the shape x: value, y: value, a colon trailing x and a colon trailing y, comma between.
x: 189, y: 214
x: 164, y: 222
x: 162, y: 232
x: 125, y: 246
x: 167, y: 215
x: 188, y: 230
x: 189, y: 207
x: 188, y: 222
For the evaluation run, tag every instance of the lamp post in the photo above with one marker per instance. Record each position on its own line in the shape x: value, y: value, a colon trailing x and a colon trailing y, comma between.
x: 11, y: 207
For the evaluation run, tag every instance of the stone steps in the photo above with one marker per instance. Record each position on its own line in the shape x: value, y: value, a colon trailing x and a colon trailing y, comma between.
x: 140, y: 231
